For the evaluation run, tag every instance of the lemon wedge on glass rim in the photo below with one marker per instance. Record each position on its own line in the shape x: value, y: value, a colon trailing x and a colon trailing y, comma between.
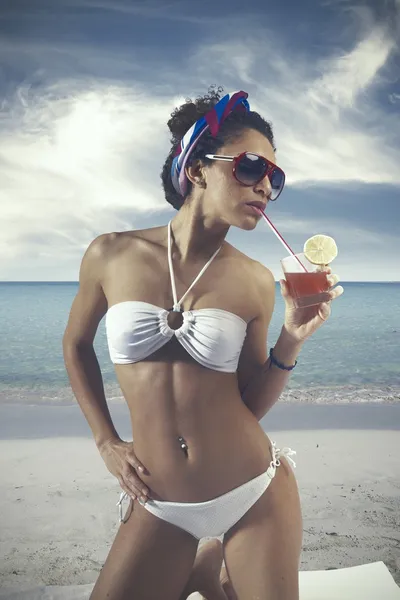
x: 320, y: 250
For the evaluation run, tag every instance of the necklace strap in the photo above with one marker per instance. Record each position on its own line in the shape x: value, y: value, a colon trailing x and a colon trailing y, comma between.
x: 177, y: 305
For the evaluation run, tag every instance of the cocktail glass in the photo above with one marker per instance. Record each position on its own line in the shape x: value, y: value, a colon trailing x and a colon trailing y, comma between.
x: 307, y: 288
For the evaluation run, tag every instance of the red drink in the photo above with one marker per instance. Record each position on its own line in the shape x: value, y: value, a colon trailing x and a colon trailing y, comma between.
x: 307, y: 288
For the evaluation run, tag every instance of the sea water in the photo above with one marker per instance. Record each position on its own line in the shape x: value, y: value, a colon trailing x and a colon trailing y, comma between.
x: 354, y: 356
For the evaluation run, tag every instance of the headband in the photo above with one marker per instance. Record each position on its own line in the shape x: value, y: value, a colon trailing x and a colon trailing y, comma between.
x: 211, y: 120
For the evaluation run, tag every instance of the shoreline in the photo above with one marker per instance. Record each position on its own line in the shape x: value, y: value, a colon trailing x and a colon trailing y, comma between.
x: 293, y: 394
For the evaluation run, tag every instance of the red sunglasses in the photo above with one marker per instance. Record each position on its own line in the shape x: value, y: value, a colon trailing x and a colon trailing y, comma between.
x: 250, y: 168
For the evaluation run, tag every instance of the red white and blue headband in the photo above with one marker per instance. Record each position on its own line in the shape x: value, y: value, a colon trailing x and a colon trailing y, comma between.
x: 211, y: 120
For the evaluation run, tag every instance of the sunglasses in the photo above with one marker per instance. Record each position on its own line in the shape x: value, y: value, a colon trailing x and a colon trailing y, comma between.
x: 250, y: 168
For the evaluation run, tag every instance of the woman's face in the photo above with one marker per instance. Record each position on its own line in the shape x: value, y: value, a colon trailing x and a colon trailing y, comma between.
x: 224, y: 197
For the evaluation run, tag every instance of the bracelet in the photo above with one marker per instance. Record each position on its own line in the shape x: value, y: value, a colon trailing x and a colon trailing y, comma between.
x: 278, y: 364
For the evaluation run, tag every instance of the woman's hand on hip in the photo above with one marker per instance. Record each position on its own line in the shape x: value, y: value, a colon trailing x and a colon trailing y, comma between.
x: 120, y: 459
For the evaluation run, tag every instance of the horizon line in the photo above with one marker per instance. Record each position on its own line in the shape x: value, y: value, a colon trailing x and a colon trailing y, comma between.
x: 276, y: 281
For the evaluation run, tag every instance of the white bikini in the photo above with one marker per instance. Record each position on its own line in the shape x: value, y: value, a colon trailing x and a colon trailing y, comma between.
x: 214, y: 338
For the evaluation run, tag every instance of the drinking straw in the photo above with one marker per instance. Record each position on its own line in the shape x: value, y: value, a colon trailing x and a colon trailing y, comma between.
x: 280, y: 238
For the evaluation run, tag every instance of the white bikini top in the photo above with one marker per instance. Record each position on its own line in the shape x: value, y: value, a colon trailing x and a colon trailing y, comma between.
x: 212, y: 336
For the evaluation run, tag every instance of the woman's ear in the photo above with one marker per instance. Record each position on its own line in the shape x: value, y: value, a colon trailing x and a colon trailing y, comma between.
x: 196, y: 174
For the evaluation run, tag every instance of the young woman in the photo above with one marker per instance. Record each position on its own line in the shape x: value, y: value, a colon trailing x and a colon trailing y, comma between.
x: 187, y: 316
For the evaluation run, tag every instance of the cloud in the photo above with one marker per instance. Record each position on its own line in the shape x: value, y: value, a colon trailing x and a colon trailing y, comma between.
x: 71, y: 158
x: 329, y: 127
x: 83, y: 137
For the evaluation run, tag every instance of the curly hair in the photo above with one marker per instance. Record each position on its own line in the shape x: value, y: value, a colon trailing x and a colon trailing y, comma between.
x: 183, y: 117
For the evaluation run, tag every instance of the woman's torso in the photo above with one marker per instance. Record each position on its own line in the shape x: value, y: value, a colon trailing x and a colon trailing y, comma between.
x: 169, y: 394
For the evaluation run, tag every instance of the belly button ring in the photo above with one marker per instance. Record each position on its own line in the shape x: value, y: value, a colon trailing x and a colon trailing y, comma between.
x: 183, y: 444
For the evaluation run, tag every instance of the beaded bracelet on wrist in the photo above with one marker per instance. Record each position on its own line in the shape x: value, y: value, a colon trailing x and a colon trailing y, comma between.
x: 278, y: 364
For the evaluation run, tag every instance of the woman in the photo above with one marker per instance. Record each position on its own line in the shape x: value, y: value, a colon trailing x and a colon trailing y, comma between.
x: 187, y: 316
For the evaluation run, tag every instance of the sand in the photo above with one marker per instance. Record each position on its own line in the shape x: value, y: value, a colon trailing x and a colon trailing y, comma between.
x: 58, y: 515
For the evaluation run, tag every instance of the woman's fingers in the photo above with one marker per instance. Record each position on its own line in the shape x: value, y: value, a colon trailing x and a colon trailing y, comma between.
x: 134, y: 486
x: 126, y: 489
x: 333, y: 280
x: 336, y: 292
x: 141, y: 490
x: 136, y: 464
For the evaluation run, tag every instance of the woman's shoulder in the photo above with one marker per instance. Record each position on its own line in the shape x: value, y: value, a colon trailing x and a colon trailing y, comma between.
x: 253, y: 267
x: 116, y: 243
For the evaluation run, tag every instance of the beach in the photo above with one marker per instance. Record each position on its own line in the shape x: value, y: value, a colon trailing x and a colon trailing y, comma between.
x: 58, y: 514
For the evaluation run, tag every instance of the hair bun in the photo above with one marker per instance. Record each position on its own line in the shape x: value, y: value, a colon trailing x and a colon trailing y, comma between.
x: 183, y: 118
x: 187, y: 114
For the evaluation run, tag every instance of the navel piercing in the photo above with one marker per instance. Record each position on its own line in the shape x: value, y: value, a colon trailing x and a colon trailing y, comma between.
x: 183, y: 444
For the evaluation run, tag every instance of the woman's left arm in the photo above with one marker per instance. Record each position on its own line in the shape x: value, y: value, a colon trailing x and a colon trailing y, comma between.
x: 265, y: 387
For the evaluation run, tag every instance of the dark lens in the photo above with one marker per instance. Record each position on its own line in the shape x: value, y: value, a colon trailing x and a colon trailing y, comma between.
x: 250, y: 168
x: 277, y: 180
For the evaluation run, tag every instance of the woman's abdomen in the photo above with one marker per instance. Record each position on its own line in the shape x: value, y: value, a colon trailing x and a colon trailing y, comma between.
x: 226, y: 446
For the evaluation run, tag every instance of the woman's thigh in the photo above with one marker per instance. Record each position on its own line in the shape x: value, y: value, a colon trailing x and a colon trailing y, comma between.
x: 262, y: 550
x: 149, y: 559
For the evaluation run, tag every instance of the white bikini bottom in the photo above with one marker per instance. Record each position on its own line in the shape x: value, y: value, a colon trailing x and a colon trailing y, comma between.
x: 214, y: 517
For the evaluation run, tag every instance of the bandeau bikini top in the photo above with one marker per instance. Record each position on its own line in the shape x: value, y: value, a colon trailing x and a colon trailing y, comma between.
x: 212, y: 336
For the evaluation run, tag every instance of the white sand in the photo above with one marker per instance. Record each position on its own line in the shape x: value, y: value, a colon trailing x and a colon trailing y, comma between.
x: 58, y: 515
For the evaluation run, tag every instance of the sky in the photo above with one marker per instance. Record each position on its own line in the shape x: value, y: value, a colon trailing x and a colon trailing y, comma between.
x: 87, y: 88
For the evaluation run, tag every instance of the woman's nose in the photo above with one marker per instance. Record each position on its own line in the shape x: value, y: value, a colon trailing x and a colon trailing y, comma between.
x: 265, y: 186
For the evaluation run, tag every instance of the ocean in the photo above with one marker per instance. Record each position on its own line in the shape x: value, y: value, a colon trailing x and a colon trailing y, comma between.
x: 354, y: 357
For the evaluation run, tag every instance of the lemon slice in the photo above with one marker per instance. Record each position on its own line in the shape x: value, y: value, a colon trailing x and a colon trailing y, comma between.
x: 320, y: 249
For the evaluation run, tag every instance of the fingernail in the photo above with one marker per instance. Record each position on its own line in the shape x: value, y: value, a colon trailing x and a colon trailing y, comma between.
x: 141, y: 469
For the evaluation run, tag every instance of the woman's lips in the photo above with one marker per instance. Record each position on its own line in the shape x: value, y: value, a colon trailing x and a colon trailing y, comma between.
x: 254, y: 209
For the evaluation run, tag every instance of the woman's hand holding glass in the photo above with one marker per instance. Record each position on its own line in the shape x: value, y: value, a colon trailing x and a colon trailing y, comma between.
x: 301, y: 323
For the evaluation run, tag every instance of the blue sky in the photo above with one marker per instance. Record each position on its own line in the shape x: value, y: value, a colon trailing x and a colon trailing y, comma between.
x: 87, y: 87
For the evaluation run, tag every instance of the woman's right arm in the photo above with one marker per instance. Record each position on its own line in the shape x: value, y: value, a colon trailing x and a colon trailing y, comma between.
x: 88, y: 308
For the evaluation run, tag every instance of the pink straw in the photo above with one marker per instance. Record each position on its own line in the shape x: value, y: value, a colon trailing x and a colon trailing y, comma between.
x: 280, y: 238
